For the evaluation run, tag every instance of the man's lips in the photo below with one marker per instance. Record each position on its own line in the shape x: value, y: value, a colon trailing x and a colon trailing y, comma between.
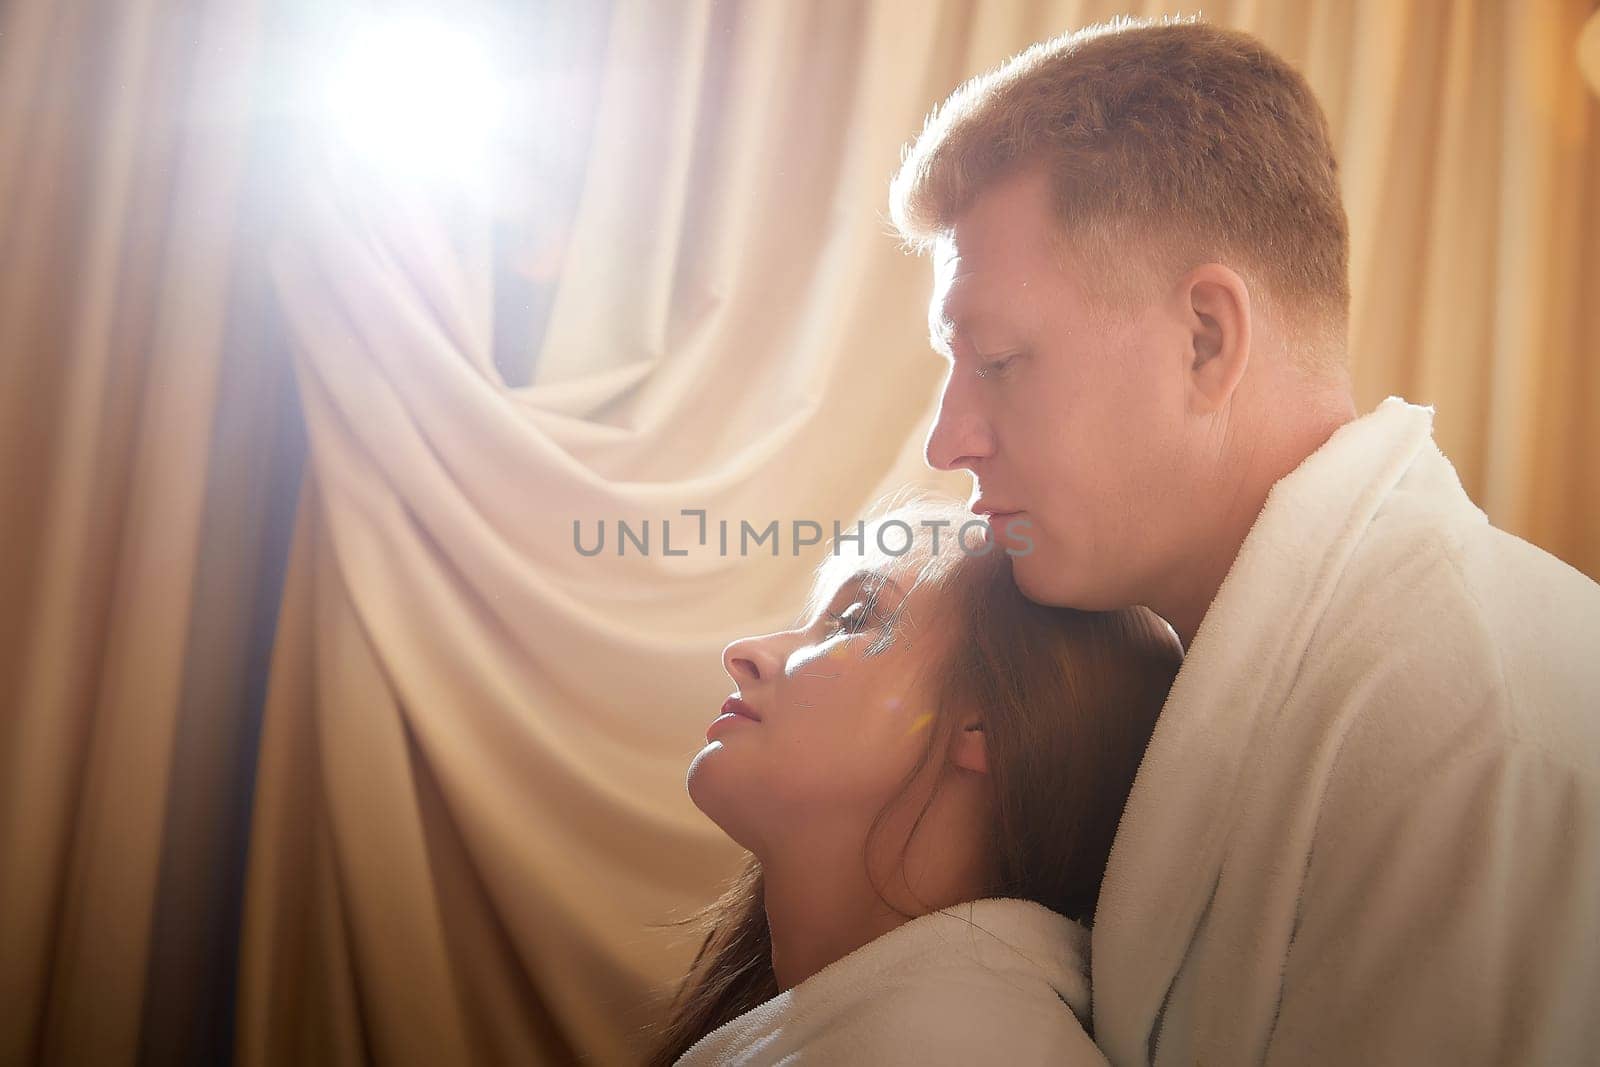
x: 992, y: 511
x: 1000, y: 520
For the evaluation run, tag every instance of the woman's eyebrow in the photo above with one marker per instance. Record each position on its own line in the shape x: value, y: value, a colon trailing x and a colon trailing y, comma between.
x: 876, y: 579
x: 851, y: 586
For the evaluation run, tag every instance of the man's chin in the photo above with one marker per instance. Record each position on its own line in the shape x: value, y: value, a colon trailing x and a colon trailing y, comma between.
x: 1038, y: 581
x: 1058, y: 584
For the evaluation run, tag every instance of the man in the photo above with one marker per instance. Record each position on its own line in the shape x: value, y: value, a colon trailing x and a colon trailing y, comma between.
x: 1367, y: 829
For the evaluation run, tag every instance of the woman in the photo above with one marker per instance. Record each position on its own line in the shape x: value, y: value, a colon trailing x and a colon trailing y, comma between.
x: 928, y: 774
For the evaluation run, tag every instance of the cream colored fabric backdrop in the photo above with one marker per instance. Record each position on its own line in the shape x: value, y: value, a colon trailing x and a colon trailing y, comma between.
x: 131, y: 500
x: 468, y: 805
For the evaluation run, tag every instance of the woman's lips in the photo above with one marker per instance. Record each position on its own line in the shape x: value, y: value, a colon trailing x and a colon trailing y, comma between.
x: 735, y: 706
x: 733, y: 710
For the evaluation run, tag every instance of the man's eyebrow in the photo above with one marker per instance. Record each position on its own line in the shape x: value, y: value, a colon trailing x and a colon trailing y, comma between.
x: 943, y: 329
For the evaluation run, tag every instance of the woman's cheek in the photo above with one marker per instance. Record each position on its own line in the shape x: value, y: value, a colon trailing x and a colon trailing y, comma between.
x: 808, y: 660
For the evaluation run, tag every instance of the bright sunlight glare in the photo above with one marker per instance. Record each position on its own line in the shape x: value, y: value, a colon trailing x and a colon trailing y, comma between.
x: 416, y: 98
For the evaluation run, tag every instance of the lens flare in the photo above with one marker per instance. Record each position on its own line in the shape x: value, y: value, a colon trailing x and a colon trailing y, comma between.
x: 416, y: 98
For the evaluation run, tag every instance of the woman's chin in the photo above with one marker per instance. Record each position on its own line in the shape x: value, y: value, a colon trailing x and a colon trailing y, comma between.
x: 707, y: 781
x: 714, y: 788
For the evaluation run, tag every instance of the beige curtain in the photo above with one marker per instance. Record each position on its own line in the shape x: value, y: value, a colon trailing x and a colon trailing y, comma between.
x: 468, y: 805
x: 142, y: 411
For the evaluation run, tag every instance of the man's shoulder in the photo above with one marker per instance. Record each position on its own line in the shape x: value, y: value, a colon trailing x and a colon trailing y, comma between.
x: 1447, y: 636
x: 1464, y: 605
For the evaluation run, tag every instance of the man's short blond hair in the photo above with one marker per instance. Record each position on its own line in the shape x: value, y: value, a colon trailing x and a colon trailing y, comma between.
x: 1168, y: 144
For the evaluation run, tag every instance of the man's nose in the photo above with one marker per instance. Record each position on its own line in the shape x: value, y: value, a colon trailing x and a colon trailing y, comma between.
x: 960, y: 435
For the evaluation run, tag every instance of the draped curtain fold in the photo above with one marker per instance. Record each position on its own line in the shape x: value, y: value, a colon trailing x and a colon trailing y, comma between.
x: 680, y: 301
x: 133, y: 515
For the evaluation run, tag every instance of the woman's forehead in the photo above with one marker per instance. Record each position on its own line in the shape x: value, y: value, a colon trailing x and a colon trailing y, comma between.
x: 882, y: 583
x: 898, y: 555
x: 891, y: 580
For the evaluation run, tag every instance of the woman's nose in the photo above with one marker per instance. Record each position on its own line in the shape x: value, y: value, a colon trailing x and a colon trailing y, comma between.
x: 749, y: 659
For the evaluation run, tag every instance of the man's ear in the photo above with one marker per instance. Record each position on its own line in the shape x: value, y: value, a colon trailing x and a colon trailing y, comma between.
x: 1216, y: 308
x: 968, y: 748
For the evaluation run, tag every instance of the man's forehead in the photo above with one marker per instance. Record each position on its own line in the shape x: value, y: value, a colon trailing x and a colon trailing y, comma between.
x: 966, y: 295
x: 1001, y: 255
x: 1008, y: 219
x: 960, y: 277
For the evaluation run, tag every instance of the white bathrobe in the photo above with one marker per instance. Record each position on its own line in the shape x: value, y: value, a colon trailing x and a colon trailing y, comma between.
x: 993, y: 981
x: 1367, y: 829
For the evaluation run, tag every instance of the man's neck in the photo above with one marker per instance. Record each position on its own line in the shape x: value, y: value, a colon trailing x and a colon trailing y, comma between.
x: 1272, y: 453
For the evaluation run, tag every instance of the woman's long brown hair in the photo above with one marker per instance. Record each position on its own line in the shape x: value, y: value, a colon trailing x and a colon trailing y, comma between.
x: 1067, y: 700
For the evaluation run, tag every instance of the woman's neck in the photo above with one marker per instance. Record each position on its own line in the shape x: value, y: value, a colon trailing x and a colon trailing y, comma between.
x: 816, y: 916
x: 821, y: 905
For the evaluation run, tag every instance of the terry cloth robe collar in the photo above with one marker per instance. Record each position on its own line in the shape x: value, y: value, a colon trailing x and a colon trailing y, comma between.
x: 1160, y: 877
x: 996, y: 955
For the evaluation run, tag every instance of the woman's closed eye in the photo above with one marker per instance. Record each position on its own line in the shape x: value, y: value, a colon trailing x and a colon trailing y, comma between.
x: 851, y: 620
